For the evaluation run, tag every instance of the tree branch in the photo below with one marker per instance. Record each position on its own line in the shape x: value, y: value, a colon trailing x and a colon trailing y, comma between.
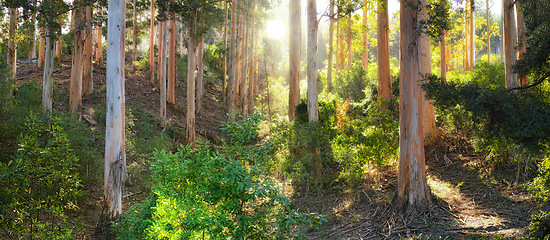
x: 539, y: 81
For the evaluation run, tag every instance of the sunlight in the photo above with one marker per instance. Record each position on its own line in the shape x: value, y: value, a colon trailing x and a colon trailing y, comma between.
x: 275, y: 29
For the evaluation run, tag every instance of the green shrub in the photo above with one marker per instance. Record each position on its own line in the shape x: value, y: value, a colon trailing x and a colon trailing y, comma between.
x: 539, y: 229
x: 540, y: 186
x: 40, y: 184
x: 202, y: 193
x: 351, y: 84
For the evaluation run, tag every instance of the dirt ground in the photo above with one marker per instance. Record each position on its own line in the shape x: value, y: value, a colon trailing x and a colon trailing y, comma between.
x: 469, y: 202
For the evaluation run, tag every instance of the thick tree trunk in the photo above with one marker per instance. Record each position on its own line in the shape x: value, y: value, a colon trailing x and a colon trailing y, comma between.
x: 365, y: 57
x: 47, y: 83
x: 59, y: 43
x: 190, y: 117
x: 509, y: 31
x: 12, y: 42
x: 331, y: 47
x: 115, y: 155
x: 87, y: 80
x: 231, y: 84
x: 134, y: 37
x: 41, y: 48
x: 383, y: 48
x: 172, y: 62
x: 523, y: 81
x: 294, y: 60
x: 224, y: 73
x: 412, y: 189
x: 162, y: 71
x: 488, y: 33
x: 200, y: 74
x: 32, y: 40
x: 75, y: 95
x: 312, y: 89
x: 252, y: 75
x: 152, y: 45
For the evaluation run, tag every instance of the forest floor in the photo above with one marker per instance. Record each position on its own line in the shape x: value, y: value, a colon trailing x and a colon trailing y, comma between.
x: 471, y: 200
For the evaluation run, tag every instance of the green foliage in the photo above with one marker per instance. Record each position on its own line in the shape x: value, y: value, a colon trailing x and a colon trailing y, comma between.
x: 540, y: 186
x: 539, y: 229
x: 485, y: 75
x: 202, y: 193
x: 40, y: 184
x: 351, y: 84
x: 537, y: 56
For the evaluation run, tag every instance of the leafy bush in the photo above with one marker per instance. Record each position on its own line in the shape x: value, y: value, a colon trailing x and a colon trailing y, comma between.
x: 202, y: 193
x: 351, y: 84
x: 539, y: 229
x: 40, y: 184
x: 540, y: 186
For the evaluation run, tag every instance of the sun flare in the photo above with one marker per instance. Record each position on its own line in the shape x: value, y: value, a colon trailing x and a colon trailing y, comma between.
x: 275, y: 29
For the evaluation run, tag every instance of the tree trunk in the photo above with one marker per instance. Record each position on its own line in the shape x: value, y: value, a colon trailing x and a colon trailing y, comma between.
x: 331, y: 46
x: 12, y: 42
x: 245, y: 55
x: 240, y: 51
x: 87, y: 80
x: 472, y: 35
x: 350, y: 42
x: 509, y: 31
x: 412, y: 189
x: 47, y: 83
x: 442, y: 46
x: 59, y: 44
x: 162, y: 71
x: 231, y: 85
x: 294, y: 61
x: 383, y: 48
x: 252, y: 75
x: 152, y: 45
x: 488, y: 33
x: 75, y: 95
x: 190, y: 117
x: 224, y: 73
x: 523, y: 81
x: 115, y: 155
x: 200, y: 74
x: 365, y: 57
x: 172, y: 62
x: 162, y: 25
x: 98, y: 46
x: 134, y: 41
x: 32, y: 40
x: 41, y: 48
x: 312, y: 90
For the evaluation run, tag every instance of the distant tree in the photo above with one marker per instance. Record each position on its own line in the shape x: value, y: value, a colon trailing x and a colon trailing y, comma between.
x: 294, y: 54
x: 383, y: 47
x: 510, y: 40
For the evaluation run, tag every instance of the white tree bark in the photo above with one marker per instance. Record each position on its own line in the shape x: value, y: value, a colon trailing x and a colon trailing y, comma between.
x: 115, y: 155
x: 47, y: 83
x: 312, y: 89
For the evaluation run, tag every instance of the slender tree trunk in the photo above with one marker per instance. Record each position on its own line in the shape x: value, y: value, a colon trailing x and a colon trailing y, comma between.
x: 466, y: 38
x: 224, y: 73
x: 472, y: 35
x: 98, y: 46
x: 509, y: 31
x: 115, y: 155
x: 488, y: 33
x: 331, y: 46
x: 152, y: 45
x: 443, y: 52
x: 172, y: 62
x: 231, y: 85
x: 87, y: 80
x: 200, y: 74
x: 523, y: 81
x: 383, y: 48
x: 162, y: 71
x: 350, y: 42
x: 134, y: 41
x: 294, y: 54
x: 162, y: 25
x: 47, y: 83
x: 240, y: 53
x: 252, y: 75
x: 365, y: 57
x: 312, y: 90
x: 32, y: 40
x: 59, y: 43
x: 12, y: 42
x: 41, y: 48
x: 412, y: 188
x: 75, y: 95
x: 337, y: 49
x: 190, y: 117
x: 244, y: 61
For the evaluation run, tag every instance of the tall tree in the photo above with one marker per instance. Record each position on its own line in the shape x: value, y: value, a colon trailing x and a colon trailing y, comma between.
x: 32, y: 39
x: 115, y: 155
x: 190, y: 117
x: 523, y: 81
x: 152, y: 44
x: 41, y: 47
x: 294, y: 54
x: 443, y: 51
x: 59, y: 43
x: 488, y: 32
x: 200, y: 73
x: 12, y: 41
x: 98, y: 43
x: 365, y: 57
x: 75, y: 93
x: 331, y: 46
x: 224, y: 73
x: 349, y: 38
x: 383, y: 48
x: 171, y: 98
x: 134, y: 33
x: 509, y: 29
x: 47, y: 82
x: 412, y: 190
x: 87, y: 80
x: 232, y: 83
x: 472, y: 34
x: 252, y: 75
x: 162, y: 71
x: 312, y: 88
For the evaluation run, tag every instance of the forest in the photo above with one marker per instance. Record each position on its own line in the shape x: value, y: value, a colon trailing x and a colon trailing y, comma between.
x: 275, y: 119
